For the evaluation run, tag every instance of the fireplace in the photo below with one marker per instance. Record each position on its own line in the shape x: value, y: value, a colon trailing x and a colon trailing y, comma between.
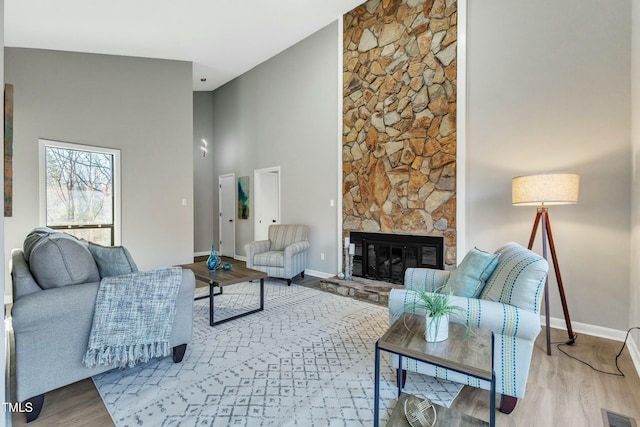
x: 385, y: 257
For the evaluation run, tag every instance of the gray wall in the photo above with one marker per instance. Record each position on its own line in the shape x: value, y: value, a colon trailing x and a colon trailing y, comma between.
x: 205, y: 184
x: 634, y: 301
x: 284, y: 113
x: 142, y: 107
x: 549, y: 92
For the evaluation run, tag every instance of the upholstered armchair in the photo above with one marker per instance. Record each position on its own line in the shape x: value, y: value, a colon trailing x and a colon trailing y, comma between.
x: 501, y: 293
x: 284, y: 255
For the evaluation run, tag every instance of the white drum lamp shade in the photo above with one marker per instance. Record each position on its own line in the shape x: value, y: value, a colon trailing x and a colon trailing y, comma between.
x: 545, y: 189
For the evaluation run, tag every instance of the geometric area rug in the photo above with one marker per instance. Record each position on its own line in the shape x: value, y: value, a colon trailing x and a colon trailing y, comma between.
x: 306, y: 360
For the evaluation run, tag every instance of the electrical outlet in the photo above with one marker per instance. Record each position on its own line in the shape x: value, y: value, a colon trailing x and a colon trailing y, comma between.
x: 322, y: 256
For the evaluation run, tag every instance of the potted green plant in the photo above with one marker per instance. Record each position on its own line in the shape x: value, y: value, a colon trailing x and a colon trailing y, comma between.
x: 438, y: 308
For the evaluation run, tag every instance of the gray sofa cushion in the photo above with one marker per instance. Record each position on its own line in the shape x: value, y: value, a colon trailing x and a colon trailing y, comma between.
x: 112, y: 260
x: 59, y: 259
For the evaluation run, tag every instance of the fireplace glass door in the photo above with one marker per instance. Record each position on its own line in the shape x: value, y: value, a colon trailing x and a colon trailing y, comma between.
x: 388, y: 262
x: 386, y: 256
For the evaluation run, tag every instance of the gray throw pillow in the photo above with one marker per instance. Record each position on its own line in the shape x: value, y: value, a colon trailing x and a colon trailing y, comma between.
x: 112, y: 260
x: 59, y: 259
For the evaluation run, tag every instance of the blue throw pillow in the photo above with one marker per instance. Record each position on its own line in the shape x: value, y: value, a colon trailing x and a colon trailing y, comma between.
x: 469, y: 278
x: 112, y: 260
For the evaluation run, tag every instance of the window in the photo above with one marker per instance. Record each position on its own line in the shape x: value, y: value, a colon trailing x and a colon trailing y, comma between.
x: 80, y: 190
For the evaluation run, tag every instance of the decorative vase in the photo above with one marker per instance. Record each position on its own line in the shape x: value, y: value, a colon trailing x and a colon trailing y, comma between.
x: 436, y: 328
x: 213, y: 262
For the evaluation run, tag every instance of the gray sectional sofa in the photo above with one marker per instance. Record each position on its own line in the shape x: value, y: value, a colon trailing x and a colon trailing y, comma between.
x: 55, y: 281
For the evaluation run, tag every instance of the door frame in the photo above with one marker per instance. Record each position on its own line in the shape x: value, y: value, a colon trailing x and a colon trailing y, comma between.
x: 257, y: 175
x: 233, y: 176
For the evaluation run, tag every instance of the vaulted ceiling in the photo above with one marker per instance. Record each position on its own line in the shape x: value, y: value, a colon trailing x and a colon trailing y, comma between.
x: 223, y: 38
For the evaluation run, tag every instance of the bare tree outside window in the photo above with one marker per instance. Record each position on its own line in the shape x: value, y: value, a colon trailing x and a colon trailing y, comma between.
x: 79, y: 193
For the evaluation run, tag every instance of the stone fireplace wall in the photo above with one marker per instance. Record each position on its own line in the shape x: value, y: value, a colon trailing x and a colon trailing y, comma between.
x: 399, y: 122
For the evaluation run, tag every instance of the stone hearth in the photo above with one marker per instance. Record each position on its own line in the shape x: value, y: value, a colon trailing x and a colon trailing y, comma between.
x: 364, y: 289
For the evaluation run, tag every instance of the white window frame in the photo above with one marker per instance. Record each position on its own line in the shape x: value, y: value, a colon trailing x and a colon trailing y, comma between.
x: 117, y: 216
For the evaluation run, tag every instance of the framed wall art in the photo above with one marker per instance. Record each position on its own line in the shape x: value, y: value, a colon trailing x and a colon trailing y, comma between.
x: 243, y: 197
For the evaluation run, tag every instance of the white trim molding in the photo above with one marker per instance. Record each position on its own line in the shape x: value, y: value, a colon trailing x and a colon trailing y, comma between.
x: 117, y: 182
x: 275, y: 170
x: 462, y: 134
x: 221, y: 211
x: 339, y: 139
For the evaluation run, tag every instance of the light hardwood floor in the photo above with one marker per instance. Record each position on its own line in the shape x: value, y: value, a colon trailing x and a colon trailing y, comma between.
x: 563, y: 392
x: 560, y: 391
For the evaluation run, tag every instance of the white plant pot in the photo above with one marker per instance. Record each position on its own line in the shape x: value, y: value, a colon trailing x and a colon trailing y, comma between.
x: 436, y: 328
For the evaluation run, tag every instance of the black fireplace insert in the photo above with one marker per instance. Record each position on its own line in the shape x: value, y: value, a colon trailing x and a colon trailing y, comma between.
x: 385, y: 257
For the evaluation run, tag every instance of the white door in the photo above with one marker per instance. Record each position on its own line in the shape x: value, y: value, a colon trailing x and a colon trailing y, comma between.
x: 266, y: 201
x: 227, y: 225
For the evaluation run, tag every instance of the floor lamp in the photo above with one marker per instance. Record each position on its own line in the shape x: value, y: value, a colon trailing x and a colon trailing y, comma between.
x: 542, y: 191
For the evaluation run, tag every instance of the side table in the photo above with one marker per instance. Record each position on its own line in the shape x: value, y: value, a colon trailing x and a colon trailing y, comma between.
x: 467, y: 352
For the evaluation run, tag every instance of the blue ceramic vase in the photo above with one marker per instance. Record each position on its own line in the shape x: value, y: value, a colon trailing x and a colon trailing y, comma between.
x: 214, y: 260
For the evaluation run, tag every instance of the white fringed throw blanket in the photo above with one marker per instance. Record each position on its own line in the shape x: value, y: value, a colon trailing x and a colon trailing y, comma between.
x: 133, y: 318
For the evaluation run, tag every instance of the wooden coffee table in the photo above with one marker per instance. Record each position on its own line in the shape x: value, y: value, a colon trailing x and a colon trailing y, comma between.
x: 221, y: 278
x: 467, y: 353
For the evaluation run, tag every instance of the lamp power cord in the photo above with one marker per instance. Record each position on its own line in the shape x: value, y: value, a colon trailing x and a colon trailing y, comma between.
x: 615, y: 374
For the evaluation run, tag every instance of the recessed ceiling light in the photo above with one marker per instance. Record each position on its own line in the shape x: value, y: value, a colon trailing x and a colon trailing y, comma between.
x: 203, y: 79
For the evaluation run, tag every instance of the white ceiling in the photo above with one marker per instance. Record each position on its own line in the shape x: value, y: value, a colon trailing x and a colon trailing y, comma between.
x: 223, y: 38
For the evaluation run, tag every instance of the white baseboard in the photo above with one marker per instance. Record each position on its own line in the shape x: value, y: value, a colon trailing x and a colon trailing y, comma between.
x: 240, y: 258
x: 599, y: 331
x: 585, y: 328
